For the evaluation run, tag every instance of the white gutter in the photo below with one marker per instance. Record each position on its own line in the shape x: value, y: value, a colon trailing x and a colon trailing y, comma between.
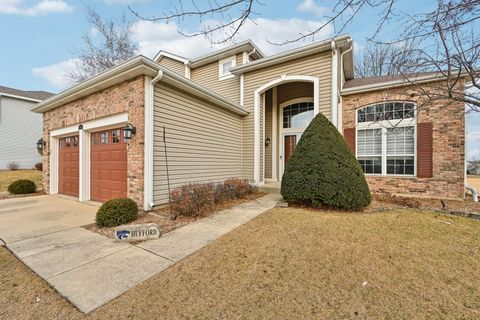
x: 288, y: 55
x: 131, y: 68
x: 394, y: 83
x: 148, y: 156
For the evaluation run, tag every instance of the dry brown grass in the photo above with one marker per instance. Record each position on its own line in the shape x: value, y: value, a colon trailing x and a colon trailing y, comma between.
x: 474, y: 181
x: 7, y: 177
x: 297, y: 263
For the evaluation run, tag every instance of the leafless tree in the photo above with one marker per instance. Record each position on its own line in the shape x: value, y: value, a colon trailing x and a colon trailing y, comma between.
x: 446, y: 38
x: 109, y: 45
x: 379, y: 59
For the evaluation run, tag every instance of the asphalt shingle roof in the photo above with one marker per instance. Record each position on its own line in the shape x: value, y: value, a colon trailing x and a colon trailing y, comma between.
x: 38, y: 95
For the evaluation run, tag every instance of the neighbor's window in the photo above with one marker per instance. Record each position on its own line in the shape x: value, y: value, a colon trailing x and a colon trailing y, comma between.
x: 224, y: 67
x: 386, y: 138
x: 297, y: 115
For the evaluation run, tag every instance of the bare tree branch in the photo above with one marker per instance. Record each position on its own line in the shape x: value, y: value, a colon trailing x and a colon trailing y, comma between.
x: 108, y: 47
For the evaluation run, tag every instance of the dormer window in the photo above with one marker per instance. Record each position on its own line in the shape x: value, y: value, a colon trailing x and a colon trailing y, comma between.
x: 224, y: 68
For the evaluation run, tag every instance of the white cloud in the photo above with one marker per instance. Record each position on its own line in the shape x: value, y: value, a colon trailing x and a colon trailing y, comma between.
x: 153, y: 37
x: 124, y: 2
x: 313, y: 7
x: 56, y: 74
x: 41, y: 8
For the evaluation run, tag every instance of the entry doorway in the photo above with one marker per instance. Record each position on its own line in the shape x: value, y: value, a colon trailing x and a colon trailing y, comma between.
x: 289, y: 143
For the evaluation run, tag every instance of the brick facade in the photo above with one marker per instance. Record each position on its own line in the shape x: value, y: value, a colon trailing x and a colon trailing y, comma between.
x: 448, y: 119
x: 128, y: 97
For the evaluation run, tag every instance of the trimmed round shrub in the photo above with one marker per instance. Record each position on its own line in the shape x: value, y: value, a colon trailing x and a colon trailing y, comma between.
x: 22, y: 186
x: 323, y: 171
x: 116, y: 212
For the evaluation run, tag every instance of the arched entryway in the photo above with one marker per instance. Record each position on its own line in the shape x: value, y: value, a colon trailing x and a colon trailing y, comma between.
x: 277, y: 104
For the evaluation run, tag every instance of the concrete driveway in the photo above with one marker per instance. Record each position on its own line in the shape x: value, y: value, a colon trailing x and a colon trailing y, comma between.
x: 29, y: 217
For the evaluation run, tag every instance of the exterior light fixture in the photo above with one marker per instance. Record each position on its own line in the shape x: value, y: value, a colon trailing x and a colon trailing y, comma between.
x: 128, y: 132
x: 41, y: 145
x: 267, y: 141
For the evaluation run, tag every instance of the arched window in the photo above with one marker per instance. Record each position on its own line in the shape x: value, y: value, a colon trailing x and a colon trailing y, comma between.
x: 297, y: 115
x: 386, y: 135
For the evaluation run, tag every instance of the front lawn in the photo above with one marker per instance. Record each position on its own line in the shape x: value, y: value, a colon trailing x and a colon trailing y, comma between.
x: 297, y: 263
x: 7, y: 177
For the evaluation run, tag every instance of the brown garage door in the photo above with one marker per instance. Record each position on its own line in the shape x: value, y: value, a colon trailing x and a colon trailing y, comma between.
x: 108, y: 167
x: 68, y: 166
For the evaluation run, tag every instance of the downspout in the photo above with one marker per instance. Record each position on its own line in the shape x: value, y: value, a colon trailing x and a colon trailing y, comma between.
x: 473, y: 191
x: 342, y: 77
x: 334, y: 111
x: 148, y: 174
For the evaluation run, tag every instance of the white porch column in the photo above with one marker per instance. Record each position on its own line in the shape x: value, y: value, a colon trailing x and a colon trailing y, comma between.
x: 274, y: 135
x: 84, y: 165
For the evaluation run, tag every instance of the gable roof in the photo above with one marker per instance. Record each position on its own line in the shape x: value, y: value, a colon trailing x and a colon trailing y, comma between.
x: 131, y: 68
x: 325, y: 45
x: 219, y: 54
x: 35, y: 96
x: 171, y: 56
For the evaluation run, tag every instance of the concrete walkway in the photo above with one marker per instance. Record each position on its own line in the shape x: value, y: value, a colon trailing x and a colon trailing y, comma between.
x: 91, y: 270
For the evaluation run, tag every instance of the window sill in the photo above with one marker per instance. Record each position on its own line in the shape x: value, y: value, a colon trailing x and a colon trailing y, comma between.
x: 390, y: 176
x: 225, y: 77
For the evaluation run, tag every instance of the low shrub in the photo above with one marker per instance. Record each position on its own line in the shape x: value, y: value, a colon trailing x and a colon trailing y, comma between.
x: 238, y: 188
x: 39, y: 166
x: 116, y: 212
x: 189, y: 199
x: 13, y: 166
x: 22, y: 186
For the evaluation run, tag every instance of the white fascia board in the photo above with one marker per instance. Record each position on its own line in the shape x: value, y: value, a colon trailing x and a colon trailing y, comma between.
x: 171, y: 56
x: 225, y: 52
x: 393, y: 84
x: 124, y: 71
x: 288, y: 55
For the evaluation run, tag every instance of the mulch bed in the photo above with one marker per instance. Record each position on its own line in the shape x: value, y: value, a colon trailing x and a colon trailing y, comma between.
x: 161, y: 216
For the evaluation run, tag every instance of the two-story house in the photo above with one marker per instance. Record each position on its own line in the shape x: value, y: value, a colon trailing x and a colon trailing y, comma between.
x: 238, y: 113
x: 20, y: 129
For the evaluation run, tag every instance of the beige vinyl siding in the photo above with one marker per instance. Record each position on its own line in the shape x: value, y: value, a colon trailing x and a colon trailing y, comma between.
x: 172, y: 64
x: 207, y: 76
x: 203, y: 141
x: 294, y: 90
x: 268, y: 133
x: 317, y: 65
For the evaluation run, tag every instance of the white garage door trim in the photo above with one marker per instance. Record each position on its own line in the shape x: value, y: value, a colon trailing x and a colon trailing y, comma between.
x: 84, y: 149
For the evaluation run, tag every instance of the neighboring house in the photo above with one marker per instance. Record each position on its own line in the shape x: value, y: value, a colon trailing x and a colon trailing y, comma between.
x: 20, y: 128
x: 238, y: 113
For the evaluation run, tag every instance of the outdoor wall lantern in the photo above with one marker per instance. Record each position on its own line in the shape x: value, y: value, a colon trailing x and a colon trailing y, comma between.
x: 40, y: 145
x: 128, y: 132
x: 267, y: 141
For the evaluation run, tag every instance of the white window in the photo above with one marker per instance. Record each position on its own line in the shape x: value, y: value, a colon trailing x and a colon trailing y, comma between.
x: 386, y: 138
x: 224, y: 67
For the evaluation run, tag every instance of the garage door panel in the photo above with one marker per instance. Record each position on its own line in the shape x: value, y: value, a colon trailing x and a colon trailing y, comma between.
x: 108, y: 165
x: 68, y: 166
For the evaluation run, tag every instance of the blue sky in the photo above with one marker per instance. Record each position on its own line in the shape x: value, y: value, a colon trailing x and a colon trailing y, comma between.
x: 39, y: 37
